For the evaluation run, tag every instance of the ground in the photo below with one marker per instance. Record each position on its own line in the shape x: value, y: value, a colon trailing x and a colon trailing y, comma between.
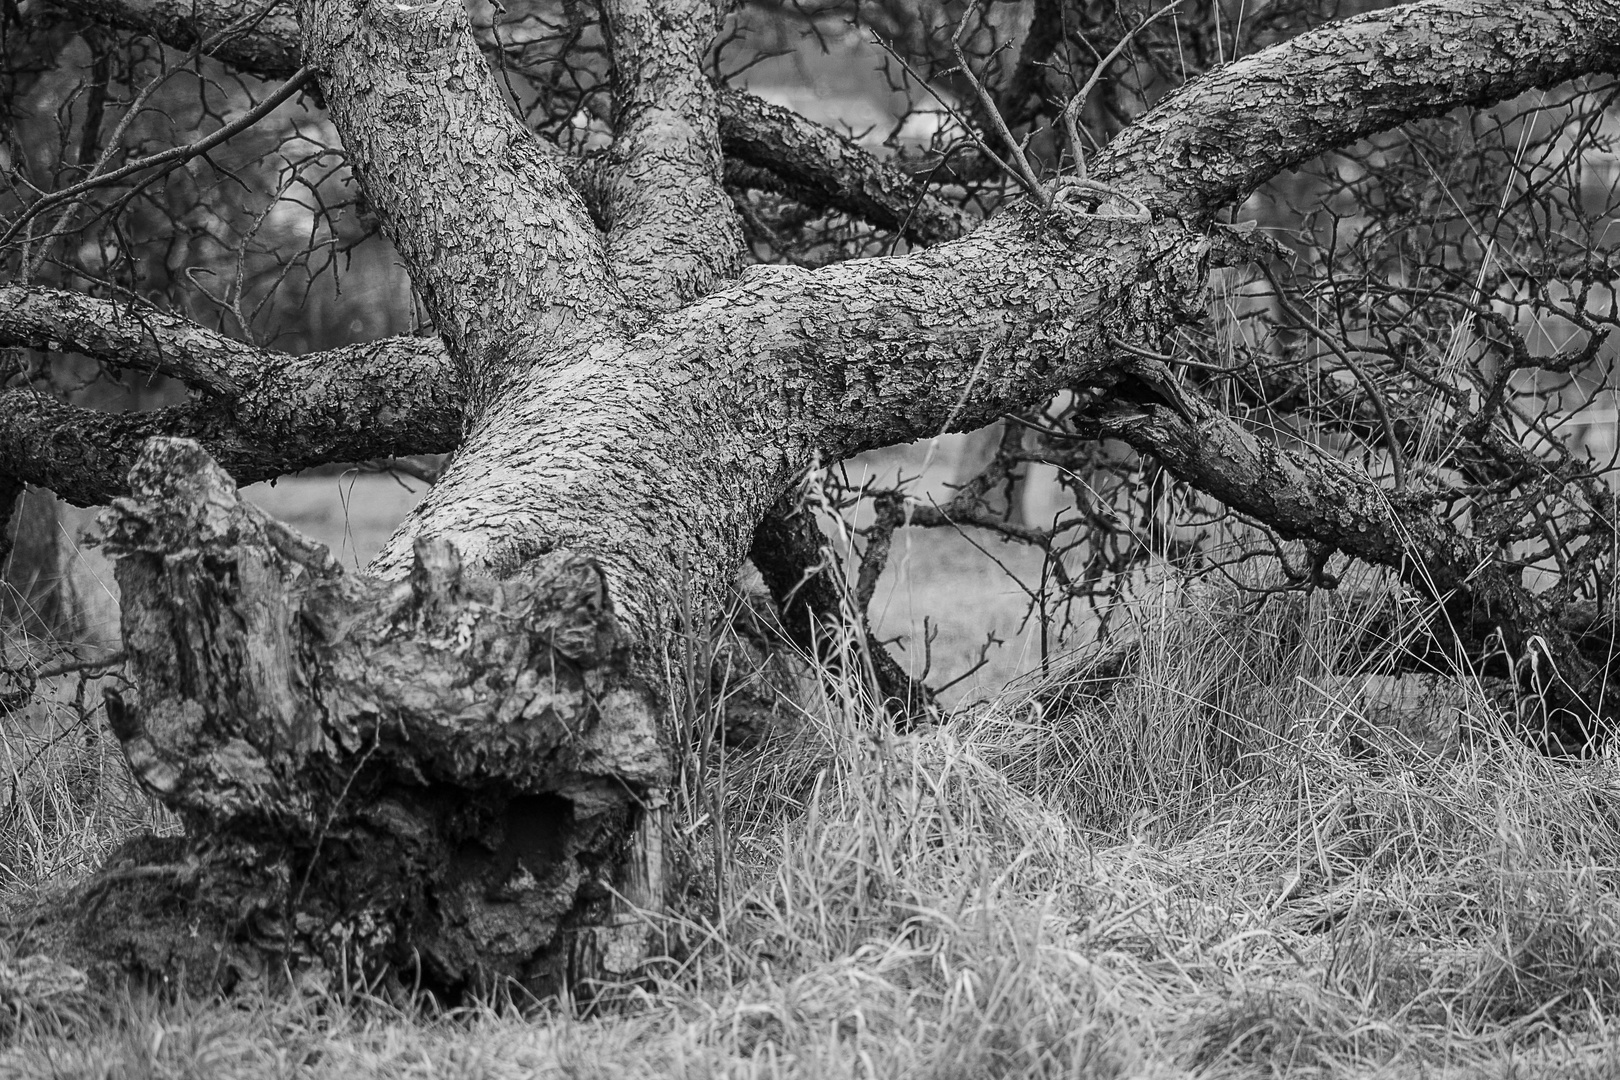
x: 1235, y: 863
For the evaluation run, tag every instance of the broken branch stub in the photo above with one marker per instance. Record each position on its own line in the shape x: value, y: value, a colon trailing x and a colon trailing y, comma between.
x: 446, y: 767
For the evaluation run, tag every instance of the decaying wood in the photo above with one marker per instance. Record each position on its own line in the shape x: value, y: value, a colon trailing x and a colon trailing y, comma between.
x: 446, y: 767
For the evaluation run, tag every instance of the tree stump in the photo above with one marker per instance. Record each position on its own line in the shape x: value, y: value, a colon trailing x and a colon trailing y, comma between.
x: 448, y: 771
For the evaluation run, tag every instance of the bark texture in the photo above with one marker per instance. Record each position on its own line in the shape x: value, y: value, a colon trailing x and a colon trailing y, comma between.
x: 261, y: 414
x: 1215, y: 140
x: 822, y: 168
x: 497, y: 239
x: 674, y: 234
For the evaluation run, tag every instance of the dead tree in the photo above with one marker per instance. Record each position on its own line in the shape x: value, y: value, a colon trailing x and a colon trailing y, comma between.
x: 455, y: 758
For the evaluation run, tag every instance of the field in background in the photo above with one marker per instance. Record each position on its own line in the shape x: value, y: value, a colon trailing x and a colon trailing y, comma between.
x: 353, y: 513
x: 1215, y: 854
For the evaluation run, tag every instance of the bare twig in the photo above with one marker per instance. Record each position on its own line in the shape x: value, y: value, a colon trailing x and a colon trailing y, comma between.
x: 1024, y: 173
x: 204, y: 46
x: 169, y: 159
x: 990, y: 642
x: 1071, y: 111
x: 1397, y: 458
x: 955, y: 114
x: 1149, y: 354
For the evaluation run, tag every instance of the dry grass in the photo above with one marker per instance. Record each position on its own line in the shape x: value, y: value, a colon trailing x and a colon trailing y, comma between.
x: 1228, y: 866
x: 65, y: 792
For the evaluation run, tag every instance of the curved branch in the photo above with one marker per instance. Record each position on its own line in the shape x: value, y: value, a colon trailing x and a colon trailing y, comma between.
x: 128, y: 335
x: 382, y: 399
x: 821, y: 168
x: 1215, y: 140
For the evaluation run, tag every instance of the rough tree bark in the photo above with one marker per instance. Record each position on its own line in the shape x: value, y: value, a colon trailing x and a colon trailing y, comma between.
x: 456, y: 756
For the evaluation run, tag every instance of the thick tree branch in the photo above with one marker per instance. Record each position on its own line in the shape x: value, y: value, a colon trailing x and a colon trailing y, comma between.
x: 267, y: 45
x: 888, y: 350
x: 746, y: 386
x: 1326, y: 501
x: 381, y: 399
x: 675, y: 233
x: 129, y: 335
x: 821, y: 168
x: 1215, y: 140
x: 495, y: 237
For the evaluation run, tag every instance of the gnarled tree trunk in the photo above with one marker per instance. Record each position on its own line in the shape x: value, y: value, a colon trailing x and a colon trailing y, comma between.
x: 456, y: 756
x: 446, y: 767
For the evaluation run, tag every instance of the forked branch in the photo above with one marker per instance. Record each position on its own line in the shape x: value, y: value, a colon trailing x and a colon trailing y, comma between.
x: 384, y: 398
x: 1071, y: 111
x: 1022, y: 170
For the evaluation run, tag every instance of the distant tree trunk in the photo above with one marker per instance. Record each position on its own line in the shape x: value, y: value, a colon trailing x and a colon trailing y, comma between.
x: 38, y: 590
